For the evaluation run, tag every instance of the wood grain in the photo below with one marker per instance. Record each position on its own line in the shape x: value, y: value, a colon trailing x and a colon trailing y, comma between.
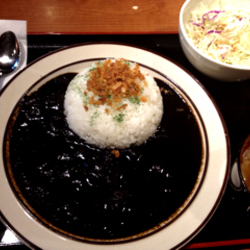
x: 95, y: 16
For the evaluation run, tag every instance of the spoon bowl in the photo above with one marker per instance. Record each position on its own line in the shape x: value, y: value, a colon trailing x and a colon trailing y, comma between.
x: 9, y: 53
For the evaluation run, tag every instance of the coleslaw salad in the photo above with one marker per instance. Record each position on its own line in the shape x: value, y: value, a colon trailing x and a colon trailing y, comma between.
x: 221, y: 33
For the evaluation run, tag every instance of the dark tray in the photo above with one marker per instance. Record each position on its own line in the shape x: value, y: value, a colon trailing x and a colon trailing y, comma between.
x: 229, y: 226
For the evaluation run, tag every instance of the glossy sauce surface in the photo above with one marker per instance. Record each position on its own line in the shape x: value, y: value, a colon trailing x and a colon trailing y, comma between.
x: 86, y: 191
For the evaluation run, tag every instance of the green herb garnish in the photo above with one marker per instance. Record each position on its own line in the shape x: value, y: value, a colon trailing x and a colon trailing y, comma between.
x: 127, y: 62
x: 119, y: 117
x: 93, y: 67
x: 75, y: 80
x: 81, y: 93
x: 134, y: 100
x: 93, y: 118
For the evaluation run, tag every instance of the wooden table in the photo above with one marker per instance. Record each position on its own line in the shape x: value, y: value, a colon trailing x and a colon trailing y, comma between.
x: 94, y: 16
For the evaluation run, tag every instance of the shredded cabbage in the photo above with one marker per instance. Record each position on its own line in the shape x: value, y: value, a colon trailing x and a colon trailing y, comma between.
x: 222, y: 33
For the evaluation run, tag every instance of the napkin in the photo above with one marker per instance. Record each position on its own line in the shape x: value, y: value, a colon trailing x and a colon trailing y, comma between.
x: 20, y: 30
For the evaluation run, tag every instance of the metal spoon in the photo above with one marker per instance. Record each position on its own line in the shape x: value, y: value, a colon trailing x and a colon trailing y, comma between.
x: 9, y: 53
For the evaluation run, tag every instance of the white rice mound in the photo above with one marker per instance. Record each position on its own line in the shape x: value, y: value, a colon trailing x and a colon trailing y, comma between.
x: 118, y: 129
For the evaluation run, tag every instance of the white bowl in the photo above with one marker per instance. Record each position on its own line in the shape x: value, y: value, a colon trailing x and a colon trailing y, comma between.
x: 202, y: 62
x: 215, y: 141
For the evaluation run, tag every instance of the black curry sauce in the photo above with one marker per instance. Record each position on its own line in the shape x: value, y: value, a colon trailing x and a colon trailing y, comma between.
x: 86, y: 191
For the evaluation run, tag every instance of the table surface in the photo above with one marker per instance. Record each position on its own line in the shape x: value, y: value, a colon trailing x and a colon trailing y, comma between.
x: 95, y: 16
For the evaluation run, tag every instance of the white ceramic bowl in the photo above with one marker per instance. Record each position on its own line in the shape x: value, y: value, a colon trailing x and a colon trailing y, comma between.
x: 202, y: 62
x: 215, y: 164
